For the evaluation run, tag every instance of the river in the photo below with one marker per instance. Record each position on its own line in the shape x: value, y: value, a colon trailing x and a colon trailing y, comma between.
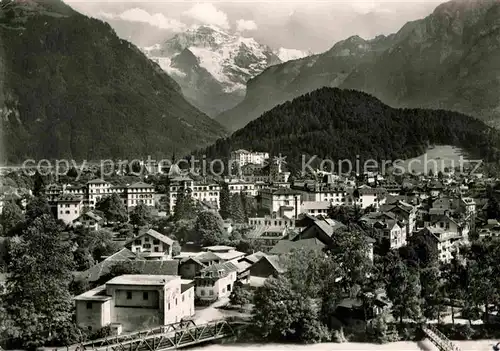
x: 480, y: 345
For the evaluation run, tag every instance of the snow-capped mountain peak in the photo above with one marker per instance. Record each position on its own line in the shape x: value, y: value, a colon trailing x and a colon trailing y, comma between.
x: 205, y: 57
x: 231, y: 59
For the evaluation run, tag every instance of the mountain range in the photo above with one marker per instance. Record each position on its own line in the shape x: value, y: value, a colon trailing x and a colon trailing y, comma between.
x: 213, y: 66
x: 340, y: 124
x: 72, y: 89
x: 448, y: 60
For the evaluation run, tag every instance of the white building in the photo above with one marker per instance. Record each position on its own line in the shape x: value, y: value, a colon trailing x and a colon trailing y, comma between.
x: 272, y: 222
x: 282, y: 202
x: 240, y: 186
x: 69, y: 208
x: 132, y: 302
x: 151, y: 245
x: 89, y: 220
x: 243, y: 157
x: 216, y: 281
x: 140, y: 193
x: 315, y: 208
x: 97, y: 189
x: 201, y: 191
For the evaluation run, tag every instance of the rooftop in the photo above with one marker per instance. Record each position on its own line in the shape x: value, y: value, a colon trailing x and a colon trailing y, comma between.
x: 140, y: 185
x: 97, y: 181
x: 96, y: 294
x: 219, y: 248
x: 69, y: 198
x: 142, y: 279
x: 163, y: 238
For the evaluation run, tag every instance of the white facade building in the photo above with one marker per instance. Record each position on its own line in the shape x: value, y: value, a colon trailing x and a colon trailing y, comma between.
x: 69, y: 208
x: 201, y: 191
x: 243, y: 157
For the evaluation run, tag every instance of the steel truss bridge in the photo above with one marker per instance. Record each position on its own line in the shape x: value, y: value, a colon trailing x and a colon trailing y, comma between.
x: 168, y: 337
x: 439, y: 339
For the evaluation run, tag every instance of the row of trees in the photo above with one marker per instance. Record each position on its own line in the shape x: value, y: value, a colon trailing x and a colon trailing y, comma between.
x: 238, y: 207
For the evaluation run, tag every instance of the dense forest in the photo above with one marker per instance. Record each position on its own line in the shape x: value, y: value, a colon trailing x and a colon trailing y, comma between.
x: 340, y: 124
x: 72, y: 88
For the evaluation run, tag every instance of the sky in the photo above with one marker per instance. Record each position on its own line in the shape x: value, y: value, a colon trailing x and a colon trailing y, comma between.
x: 305, y: 25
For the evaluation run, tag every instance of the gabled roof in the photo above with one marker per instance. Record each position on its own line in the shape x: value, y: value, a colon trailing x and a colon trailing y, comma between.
x: 207, y: 256
x: 140, y: 185
x: 254, y: 257
x: 91, y: 215
x: 285, y: 191
x: 274, y: 261
x: 97, y: 181
x: 193, y: 259
x: 163, y: 238
x: 227, y: 267
x: 286, y: 246
x: 103, y: 267
x: 69, y: 198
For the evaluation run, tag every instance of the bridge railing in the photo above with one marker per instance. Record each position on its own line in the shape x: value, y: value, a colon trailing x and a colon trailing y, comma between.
x: 115, y: 339
x: 442, y: 341
x: 173, y: 328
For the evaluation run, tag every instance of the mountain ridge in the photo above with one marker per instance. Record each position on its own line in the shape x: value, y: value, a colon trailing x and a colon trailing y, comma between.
x: 414, y: 67
x: 84, y: 93
x: 216, y: 81
x: 339, y: 124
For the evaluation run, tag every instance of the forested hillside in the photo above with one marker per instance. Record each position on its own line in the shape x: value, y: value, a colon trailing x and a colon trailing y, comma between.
x: 340, y: 124
x: 71, y: 88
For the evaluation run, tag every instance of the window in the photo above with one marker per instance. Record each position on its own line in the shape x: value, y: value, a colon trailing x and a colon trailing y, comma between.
x: 156, y: 249
x: 223, y: 290
x: 228, y: 287
x: 211, y: 292
x: 176, y: 302
x: 147, y: 246
x: 89, y: 305
x: 146, y: 239
x: 129, y: 295
x: 202, y: 293
x: 168, y: 306
x: 156, y: 242
x: 137, y: 242
x: 182, y: 298
x: 145, y: 295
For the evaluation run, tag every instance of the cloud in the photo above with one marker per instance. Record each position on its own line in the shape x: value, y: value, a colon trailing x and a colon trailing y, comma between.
x: 245, y: 25
x: 207, y: 13
x: 140, y: 15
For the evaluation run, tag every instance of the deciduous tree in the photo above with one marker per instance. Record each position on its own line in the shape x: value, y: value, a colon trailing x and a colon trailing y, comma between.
x: 37, y: 207
x: 210, y: 229
x: 404, y: 291
x: 141, y: 215
x: 280, y: 313
x: 237, y: 213
x: 38, y: 302
x: 11, y: 217
x: 225, y: 201
x: 185, y: 207
x: 113, y: 208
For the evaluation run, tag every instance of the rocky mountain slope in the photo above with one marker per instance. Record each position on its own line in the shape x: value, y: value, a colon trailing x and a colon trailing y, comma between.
x: 213, y: 66
x: 446, y: 60
x: 71, y: 88
x: 341, y: 124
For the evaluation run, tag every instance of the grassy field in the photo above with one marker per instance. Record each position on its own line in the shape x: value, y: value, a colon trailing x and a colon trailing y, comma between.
x: 437, y: 158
